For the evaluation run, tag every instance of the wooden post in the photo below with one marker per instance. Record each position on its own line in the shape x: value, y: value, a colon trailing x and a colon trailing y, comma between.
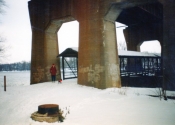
x: 4, y: 83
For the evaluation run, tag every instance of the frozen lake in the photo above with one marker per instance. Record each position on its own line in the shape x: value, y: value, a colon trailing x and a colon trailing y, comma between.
x: 15, y: 78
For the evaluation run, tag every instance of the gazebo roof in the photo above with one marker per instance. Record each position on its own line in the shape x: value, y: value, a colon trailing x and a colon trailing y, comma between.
x: 69, y: 52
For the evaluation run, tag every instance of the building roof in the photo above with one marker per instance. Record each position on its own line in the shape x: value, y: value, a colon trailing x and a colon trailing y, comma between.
x: 69, y: 52
x: 135, y: 53
x: 73, y: 52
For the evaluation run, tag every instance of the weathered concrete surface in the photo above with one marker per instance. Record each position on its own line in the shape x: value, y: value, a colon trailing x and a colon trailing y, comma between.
x: 98, y: 55
x: 98, y: 58
x: 169, y: 44
x: 46, y: 18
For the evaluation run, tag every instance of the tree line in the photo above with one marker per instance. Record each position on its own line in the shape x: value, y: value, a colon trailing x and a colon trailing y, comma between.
x: 19, y: 66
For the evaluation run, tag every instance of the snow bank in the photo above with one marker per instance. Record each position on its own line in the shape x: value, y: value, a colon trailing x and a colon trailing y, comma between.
x: 87, y: 105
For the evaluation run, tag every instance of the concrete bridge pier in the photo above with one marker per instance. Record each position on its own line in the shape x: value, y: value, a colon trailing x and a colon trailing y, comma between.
x: 44, y: 52
x: 45, y: 24
x: 98, y: 55
x: 51, y: 49
x: 169, y: 45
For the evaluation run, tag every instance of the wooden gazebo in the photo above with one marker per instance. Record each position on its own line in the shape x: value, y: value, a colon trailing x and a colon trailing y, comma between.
x: 69, y: 68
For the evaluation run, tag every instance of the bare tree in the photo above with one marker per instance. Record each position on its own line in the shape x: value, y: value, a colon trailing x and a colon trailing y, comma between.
x: 122, y: 46
x: 2, y: 4
x: 2, y: 48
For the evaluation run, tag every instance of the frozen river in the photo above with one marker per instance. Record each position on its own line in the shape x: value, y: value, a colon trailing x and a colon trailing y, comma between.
x: 15, y: 78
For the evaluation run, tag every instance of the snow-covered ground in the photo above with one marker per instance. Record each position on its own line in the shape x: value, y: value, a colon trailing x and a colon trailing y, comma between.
x: 87, y: 105
x: 15, y: 78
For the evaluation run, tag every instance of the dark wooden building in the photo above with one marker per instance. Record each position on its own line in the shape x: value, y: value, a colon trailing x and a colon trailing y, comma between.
x: 137, y: 69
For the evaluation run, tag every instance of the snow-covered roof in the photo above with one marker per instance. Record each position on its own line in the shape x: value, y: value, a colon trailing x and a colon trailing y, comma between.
x: 74, y: 50
x: 135, y: 53
x: 69, y: 52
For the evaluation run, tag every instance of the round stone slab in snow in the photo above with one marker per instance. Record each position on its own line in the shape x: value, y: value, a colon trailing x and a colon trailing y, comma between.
x: 46, y: 112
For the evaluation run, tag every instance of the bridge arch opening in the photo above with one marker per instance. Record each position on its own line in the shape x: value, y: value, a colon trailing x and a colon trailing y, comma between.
x: 68, y: 37
x: 144, y: 21
x: 150, y: 46
x: 121, y: 42
x: 52, y: 44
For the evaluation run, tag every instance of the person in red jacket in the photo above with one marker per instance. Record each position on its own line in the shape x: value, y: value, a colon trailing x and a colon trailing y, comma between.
x: 53, y: 72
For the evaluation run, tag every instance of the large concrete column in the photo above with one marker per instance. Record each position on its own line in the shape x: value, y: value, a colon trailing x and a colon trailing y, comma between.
x: 132, y: 38
x: 112, y: 67
x: 51, y: 49
x: 98, y: 56
x: 44, y: 53
x: 168, y: 44
x: 44, y: 41
x: 37, y: 57
x: 98, y: 67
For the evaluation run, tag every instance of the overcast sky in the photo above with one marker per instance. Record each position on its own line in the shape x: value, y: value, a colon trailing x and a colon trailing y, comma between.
x: 15, y: 28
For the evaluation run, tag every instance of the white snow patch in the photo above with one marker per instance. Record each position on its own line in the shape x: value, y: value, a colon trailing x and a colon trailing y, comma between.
x: 87, y: 105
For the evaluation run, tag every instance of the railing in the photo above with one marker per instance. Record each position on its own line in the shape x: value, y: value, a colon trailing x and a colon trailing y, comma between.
x: 140, y: 66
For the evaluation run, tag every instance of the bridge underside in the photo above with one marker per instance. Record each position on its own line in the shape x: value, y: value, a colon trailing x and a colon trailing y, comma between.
x: 98, y: 55
x: 144, y: 23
